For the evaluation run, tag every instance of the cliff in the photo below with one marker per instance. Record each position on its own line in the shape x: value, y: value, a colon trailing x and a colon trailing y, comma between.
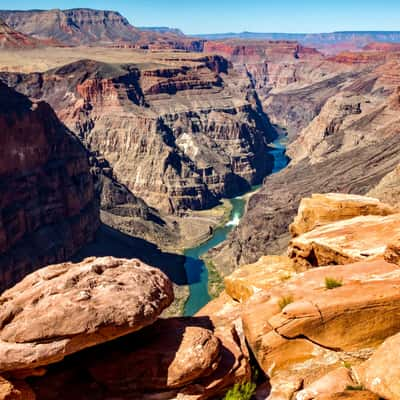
x: 180, y: 134
x: 48, y: 204
x: 82, y: 26
x: 342, y: 137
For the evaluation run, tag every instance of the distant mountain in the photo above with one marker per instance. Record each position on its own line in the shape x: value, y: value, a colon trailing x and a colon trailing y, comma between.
x: 11, y: 39
x: 161, y: 29
x: 83, y: 26
x: 331, y: 42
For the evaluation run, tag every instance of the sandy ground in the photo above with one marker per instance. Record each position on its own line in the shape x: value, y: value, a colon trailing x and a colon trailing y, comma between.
x: 39, y: 60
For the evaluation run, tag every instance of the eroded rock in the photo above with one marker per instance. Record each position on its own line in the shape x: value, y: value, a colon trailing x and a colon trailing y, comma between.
x: 64, y: 308
x: 323, y: 209
x: 348, y: 241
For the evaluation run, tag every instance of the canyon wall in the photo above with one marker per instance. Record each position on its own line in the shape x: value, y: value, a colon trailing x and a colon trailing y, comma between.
x: 343, y: 125
x: 48, y: 205
x: 180, y: 134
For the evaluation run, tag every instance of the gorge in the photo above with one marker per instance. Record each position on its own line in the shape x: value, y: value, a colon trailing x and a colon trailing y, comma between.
x: 189, y: 218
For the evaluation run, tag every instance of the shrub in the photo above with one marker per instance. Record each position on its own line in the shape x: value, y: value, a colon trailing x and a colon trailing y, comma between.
x: 358, y: 387
x: 241, y: 391
x: 346, y: 364
x: 284, y: 301
x: 332, y: 283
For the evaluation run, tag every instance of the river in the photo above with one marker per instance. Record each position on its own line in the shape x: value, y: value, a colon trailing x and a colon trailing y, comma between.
x: 196, y: 271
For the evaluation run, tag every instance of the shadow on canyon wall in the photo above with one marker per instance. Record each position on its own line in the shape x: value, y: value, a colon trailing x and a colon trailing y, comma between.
x: 110, y: 242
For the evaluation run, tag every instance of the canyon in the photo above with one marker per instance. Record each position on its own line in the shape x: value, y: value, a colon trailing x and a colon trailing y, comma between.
x: 128, y: 153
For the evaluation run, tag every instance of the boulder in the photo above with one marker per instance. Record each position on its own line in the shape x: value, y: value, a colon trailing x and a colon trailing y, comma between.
x: 381, y: 373
x: 323, y: 209
x: 169, y: 354
x: 344, y: 242
x: 268, y: 271
x: 64, y: 308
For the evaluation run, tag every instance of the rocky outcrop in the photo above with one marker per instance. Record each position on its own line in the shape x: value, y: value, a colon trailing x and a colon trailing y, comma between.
x: 322, y: 209
x: 48, y: 205
x: 77, y: 306
x: 82, y: 26
x: 381, y: 372
x: 345, y: 241
x: 179, y: 136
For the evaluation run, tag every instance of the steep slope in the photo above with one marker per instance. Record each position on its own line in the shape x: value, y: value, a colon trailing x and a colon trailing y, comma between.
x: 180, y: 134
x: 11, y: 39
x: 347, y: 145
x: 48, y: 205
x: 82, y: 26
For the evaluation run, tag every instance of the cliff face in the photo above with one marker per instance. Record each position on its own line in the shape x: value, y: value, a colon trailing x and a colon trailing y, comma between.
x: 179, y: 134
x: 82, y: 26
x: 343, y: 137
x: 11, y: 39
x: 48, y: 207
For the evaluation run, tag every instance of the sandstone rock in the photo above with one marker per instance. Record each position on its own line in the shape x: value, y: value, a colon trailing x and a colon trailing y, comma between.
x: 11, y: 39
x: 16, y: 390
x: 349, y: 395
x: 322, y: 209
x: 64, y: 308
x: 300, y: 330
x: 392, y: 252
x: 264, y: 274
x: 170, y: 354
x: 334, y: 382
x: 346, y: 241
x: 49, y: 209
x: 381, y: 373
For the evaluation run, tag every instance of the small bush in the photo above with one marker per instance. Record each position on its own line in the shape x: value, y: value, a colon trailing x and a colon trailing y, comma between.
x: 358, y: 387
x: 241, y: 391
x: 284, y: 301
x: 332, y: 283
x: 346, y: 364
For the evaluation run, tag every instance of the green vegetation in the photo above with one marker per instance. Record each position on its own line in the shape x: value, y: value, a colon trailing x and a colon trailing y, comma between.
x: 241, y: 391
x: 284, y: 301
x: 215, y: 280
x: 346, y: 364
x: 357, y: 387
x: 332, y: 283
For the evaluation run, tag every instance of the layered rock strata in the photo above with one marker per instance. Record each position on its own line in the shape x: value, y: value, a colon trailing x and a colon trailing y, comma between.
x: 48, y: 207
x: 180, y: 135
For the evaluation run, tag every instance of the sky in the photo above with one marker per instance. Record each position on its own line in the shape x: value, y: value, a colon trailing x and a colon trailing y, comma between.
x: 217, y: 16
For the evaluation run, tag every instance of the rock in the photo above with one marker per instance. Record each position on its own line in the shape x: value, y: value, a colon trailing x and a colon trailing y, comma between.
x: 48, y: 207
x: 349, y: 395
x: 392, y: 252
x: 82, y: 26
x: 185, y: 358
x: 381, y: 373
x: 322, y: 209
x: 334, y: 382
x: 16, y: 390
x: 267, y: 272
x: 64, y: 308
x: 300, y: 330
x: 170, y: 354
x: 180, y: 136
x: 347, y: 151
x: 11, y: 39
x: 387, y: 189
x: 345, y: 241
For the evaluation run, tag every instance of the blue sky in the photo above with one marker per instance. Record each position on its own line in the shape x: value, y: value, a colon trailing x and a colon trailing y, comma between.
x: 213, y: 16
